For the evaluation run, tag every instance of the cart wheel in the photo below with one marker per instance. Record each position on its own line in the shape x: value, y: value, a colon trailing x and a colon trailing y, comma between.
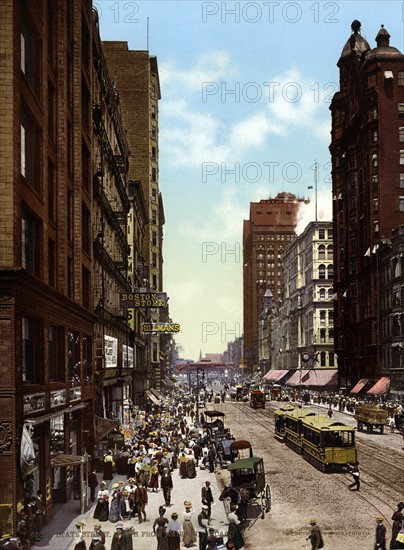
x: 262, y: 505
x: 268, y: 501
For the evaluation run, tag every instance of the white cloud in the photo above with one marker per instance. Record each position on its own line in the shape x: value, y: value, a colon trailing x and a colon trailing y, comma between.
x: 307, y: 211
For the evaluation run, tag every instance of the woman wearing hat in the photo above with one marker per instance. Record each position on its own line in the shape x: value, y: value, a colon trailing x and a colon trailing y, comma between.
x: 397, y: 518
x: 315, y: 536
x: 108, y: 465
x: 159, y: 529
x: 173, y: 530
x: 400, y: 537
x: 101, y: 511
x: 81, y: 543
x: 189, y: 534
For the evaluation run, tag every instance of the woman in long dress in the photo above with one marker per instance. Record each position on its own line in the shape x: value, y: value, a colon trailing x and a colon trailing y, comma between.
x: 101, y: 511
x: 174, y: 532
x: 159, y: 528
x: 154, y: 477
x: 116, y: 510
x: 108, y: 466
x: 189, y: 534
x: 183, y: 465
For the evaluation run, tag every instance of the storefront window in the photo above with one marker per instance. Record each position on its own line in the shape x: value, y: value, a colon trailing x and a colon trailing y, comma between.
x: 57, y: 435
x: 74, y: 357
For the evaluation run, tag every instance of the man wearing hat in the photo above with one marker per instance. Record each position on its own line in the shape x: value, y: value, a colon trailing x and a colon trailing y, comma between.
x: 141, y: 499
x: 122, y: 540
x: 100, y: 534
x: 207, y: 497
x: 96, y: 542
x: 166, y: 483
x: 211, y: 541
x: 315, y: 536
x: 203, y: 526
x: 397, y: 518
x: 380, y: 536
x: 81, y: 543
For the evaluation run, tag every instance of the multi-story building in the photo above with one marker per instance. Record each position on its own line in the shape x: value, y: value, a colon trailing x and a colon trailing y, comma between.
x: 137, y: 77
x: 266, y: 235
x: 367, y: 152
x: 391, y: 260
x: 114, y: 340
x: 307, y: 311
x: 46, y: 287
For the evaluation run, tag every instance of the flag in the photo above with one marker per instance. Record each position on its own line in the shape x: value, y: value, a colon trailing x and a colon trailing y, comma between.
x: 27, y: 453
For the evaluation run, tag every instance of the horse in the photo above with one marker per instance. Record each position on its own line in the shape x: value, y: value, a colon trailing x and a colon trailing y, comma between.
x: 231, y: 497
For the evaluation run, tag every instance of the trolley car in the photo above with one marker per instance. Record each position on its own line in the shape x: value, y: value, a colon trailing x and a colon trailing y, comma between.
x: 328, y: 445
x: 257, y: 399
x: 280, y: 421
x: 293, y: 427
x: 248, y: 474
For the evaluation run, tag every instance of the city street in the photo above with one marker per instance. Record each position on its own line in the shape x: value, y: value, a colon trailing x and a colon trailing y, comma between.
x: 300, y: 491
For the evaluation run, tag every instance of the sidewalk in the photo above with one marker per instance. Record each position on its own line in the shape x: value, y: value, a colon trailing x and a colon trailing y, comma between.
x: 59, y: 533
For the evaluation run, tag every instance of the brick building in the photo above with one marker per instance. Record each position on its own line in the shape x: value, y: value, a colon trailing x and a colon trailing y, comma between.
x: 137, y: 78
x: 46, y: 288
x: 266, y: 235
x: 367, y: 152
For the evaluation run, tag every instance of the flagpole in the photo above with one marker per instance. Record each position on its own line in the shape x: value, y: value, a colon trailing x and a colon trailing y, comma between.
x: 315, y: 168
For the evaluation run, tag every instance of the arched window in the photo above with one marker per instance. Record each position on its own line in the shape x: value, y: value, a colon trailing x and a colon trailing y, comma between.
x: 330, y: 271
x: 330, y: 251
x: 321, y: 252
x: 330, y: 293
x: 331, y: 359
x: 322, y: 294
x: 321, y: 271
x: 331, y: 335
x: 323, y: 359
x: 322, y: 336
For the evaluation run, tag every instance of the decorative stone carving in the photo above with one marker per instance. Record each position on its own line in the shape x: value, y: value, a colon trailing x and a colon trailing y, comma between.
x: 5, y: 436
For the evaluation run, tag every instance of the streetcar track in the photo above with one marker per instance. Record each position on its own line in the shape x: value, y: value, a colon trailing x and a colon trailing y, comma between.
x: 338, y: 478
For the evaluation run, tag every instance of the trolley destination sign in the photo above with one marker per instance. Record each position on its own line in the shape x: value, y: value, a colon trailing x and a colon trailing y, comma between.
x: 162, y: 328
x: 143, y: 299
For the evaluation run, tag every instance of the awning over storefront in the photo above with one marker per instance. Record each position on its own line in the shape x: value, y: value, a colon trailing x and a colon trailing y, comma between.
x: 158, y: 395
x: 152, y: 397
x: 359, y: 386
x: 275, y: 375
x: 103, y: 426
x: 314, y: 377
x: 61, y: 460
x: 381, y: 387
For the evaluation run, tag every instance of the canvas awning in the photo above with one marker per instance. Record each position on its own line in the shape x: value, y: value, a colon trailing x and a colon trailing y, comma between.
x: 103, y: 426
x: 360, y: 385
x: 314, y: 377
x: 159, y: 396
x: 381, y: 387
x: 61, y: 460
x: 152, y: 397
x: 275, y: 375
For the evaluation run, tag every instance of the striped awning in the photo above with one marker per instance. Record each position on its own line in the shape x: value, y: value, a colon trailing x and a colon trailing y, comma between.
x: 314, y: 377
x: 152, y: 397
x: 61, y: 460
x: 275, y: 375
x: 360, y: 385
x: 381, y: 387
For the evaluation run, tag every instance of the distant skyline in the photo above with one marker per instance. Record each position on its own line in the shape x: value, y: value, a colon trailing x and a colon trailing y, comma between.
x: 244, y: 114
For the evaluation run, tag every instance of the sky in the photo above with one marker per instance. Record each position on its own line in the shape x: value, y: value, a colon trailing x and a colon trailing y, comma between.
x: 244, y: 114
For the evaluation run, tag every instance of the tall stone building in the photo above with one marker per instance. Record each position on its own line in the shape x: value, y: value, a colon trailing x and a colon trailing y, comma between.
x: 137, y: 78
x: 266, y: 235
x: 367, y: 152
x: 46, y: 287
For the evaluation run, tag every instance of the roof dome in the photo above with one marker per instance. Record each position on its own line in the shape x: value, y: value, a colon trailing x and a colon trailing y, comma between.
x: 355, y: 43
x: 383, y: 49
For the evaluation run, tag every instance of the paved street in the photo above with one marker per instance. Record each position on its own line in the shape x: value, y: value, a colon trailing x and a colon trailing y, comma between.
x: 59, y: 534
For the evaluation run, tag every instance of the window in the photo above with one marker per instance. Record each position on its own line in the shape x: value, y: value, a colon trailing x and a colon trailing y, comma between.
x: 55, y: 352
x: 331, y: 361
x: 401, y: 78
x: 154, y: 216
x: 330, y: 251
x: 85, y: 167
x: 401, y: 110
x: 322, y: 316
x: 401, y: 180
x: 154, y: 174
x: 401, y: 156
x: 323, y: 359
x: 30, y: 51
x: 401, y: 204
x: 51, y: 192
x: 322, y: 336
x: 321, y: 233
x: 322, y: 294
x: 330, y: 233
x: 321, y: 252
x: 154, y: 359
x: 154, y: 238
x: 87, y: 361
x: 153, y: 132
x: 154, y: 282
x: 51, y: 113
x: 153, y: 112
x: 401, y: 134
x: 153, y: 90
x: 154, y: 259
x: 330, y: 271
x: 331, y: 335
x: 376, y: 227
x: 85, y: 229
x: 30, y: 243
x: 30, y: 152
x: 321, y: 271
x: 74, y: 357
x: 154, y: 153
x: 51, y: 262
x: 31, y: 350
x: 86, y: 288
